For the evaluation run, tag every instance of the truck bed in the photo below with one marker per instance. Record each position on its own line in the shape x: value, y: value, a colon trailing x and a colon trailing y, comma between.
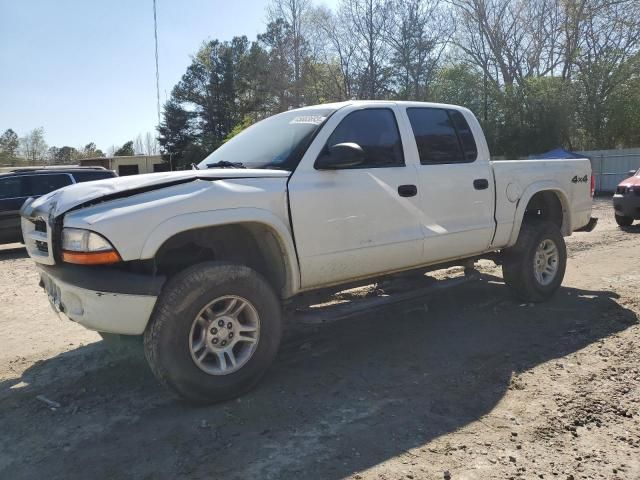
x: 569, y: 178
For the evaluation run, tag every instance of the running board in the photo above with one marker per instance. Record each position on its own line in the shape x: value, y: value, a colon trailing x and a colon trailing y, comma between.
x: 333, y: 313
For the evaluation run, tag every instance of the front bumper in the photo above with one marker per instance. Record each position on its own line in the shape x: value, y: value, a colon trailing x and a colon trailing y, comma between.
x: 103, y: 300
x: 627, y: 205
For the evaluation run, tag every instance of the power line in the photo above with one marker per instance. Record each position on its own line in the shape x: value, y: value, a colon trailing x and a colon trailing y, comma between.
x: 155, y: 35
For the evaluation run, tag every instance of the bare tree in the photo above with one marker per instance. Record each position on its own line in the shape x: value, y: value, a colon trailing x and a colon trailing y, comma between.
x: 367, y: 21
x: 296, y: 15
x: 150, y: 144
x: 33, y: 146
x: 511, y: 40
x: 111, y: 151
x: 138, y: 145
x: 337, y: 51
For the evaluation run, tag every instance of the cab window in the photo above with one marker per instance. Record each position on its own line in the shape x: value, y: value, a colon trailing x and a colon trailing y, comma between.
x: 376, y: 131
x: 442, y: 136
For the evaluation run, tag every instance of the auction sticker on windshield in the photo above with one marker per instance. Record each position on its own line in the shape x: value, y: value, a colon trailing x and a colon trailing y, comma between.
x: 312, y: 119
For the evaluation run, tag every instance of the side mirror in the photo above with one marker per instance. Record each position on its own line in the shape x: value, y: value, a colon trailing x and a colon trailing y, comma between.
x: 342, y: 155
x: 632, y: 173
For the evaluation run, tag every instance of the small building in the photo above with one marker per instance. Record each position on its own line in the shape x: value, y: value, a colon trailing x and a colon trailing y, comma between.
x: 129, y: 165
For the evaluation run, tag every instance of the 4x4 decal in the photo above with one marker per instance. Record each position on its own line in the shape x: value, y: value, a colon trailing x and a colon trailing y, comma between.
x: 578, y: 179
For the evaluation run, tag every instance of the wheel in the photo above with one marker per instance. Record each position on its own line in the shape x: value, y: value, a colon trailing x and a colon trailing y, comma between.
x: 214, y: 332
x: 123, y: 345
x: 624, y: 221
x: 534, y: 267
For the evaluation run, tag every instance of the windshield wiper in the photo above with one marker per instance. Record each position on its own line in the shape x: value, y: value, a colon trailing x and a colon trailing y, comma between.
x: 224, y: 164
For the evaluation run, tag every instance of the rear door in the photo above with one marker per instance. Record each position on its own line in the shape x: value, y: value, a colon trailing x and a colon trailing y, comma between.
x: 13, y: 191
x: 355, y: 222
x: 456, y: 183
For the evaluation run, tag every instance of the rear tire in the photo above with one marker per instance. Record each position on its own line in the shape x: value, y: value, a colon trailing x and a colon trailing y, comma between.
x: 534, y: 267
x: 181, y: 348
x: 623, y: 221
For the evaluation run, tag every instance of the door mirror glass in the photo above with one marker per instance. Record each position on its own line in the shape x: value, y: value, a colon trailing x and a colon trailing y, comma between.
x: 342, y: 155
x: 632, y: 173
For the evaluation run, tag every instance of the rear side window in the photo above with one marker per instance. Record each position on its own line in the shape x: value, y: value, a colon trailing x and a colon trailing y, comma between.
x: 441, y: 136
x: 89, y: 176
x: 12, y: 187
x: 41, y: 184
x: 376, y: 131
x: 466, y: 135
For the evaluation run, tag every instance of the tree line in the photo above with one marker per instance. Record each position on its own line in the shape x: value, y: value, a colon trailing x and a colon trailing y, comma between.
x: 537, y: 73
x: 32, y: 149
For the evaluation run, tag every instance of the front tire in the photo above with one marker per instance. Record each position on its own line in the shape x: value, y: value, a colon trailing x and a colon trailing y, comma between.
x: 214, y: 332
x: 623, y: 221
x: 534, y: 267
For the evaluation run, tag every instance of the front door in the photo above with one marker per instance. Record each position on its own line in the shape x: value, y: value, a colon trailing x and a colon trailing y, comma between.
x: 359, y: 221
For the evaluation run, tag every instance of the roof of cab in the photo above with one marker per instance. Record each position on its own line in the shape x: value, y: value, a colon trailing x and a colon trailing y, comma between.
x: 406, y: 103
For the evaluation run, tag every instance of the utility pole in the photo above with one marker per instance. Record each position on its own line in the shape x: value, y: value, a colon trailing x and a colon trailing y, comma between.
x: 155, y: 35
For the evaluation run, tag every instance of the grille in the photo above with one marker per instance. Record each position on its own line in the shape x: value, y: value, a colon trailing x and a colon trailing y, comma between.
x: 621, y: 190
x: 37, y: 237
x: 40, y: 226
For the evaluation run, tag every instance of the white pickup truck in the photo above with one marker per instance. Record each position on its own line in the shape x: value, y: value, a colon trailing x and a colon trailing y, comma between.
x: 201, y: 263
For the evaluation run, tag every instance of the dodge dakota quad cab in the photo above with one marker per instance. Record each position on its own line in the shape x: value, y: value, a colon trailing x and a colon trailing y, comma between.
x: 203, y: 263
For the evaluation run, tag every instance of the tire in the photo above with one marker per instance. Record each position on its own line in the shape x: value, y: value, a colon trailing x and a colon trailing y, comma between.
x: 519, y: 262
x: 623, y: 221
x: 171, y: 340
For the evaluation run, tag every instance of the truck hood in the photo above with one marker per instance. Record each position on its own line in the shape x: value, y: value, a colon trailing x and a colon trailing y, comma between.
x: 68, y: 198
x: 631, y: 181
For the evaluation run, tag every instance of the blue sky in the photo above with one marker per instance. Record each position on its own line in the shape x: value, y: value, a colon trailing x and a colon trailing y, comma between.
x: 84, y: 69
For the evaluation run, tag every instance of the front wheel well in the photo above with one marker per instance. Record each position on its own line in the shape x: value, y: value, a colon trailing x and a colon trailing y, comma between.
x: 252, y: 244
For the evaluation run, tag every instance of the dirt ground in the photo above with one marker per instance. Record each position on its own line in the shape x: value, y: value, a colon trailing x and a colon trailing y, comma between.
x: 472, y: 385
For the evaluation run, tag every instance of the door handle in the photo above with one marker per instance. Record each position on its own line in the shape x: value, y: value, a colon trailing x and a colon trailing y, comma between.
x: 407, y: 190
x: 481, y: 184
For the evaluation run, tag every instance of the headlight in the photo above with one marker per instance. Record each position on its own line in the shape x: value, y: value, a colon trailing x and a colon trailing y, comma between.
x: 87, y: 248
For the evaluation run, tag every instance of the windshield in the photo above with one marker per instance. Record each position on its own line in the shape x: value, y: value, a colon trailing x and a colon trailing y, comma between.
x: 275, y: 142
